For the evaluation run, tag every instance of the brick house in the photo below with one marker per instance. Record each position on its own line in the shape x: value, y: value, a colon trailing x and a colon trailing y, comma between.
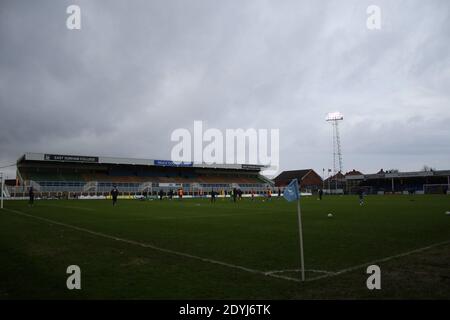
x: 308, y: 179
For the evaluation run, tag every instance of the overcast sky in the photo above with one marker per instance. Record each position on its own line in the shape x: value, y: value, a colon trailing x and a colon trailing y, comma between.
x: 137, y: 70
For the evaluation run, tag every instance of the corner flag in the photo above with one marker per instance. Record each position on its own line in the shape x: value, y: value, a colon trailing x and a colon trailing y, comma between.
x: 291, y: 193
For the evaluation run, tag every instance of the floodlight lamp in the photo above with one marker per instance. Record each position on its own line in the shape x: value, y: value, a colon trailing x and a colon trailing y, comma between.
x: 333, y: 116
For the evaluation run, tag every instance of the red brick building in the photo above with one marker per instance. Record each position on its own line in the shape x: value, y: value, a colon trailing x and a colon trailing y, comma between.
x: 308, y: 179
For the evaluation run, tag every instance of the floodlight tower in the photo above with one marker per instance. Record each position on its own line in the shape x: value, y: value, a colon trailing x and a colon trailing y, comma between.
x: 334, y: 118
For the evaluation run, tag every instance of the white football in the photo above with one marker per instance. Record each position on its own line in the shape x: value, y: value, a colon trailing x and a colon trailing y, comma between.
x: 330, y: 215
x: 448, y: 213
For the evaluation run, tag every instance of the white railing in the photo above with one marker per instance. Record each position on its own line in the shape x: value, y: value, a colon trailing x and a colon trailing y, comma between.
x: 90, y: 186
x: 146, y: 186
x: 6, y: 193
x: 30, y: 183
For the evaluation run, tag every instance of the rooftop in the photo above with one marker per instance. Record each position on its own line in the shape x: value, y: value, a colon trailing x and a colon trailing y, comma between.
x: 64, y: 158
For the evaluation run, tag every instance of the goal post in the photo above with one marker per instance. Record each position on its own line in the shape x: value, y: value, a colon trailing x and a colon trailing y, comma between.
x: 442, y: 188
x: 2, y: 186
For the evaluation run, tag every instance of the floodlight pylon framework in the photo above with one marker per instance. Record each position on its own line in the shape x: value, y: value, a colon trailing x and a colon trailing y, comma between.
x: 334, y: 119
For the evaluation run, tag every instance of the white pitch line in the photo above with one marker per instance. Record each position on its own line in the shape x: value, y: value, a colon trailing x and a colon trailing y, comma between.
x: 400, y: 255
x: 329, y: 274
x: 275, y: 273
x: 298, y: 270
x: 145, y: 245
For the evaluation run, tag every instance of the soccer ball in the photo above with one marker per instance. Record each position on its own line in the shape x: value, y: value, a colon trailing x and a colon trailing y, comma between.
x: 330, y: 215
x: 448, y: 213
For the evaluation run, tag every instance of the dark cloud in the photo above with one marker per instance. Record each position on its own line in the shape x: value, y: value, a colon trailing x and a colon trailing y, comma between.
x: 138, y: 70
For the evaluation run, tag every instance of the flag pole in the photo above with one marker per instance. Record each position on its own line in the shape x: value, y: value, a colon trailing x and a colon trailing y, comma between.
x: 300, y: 234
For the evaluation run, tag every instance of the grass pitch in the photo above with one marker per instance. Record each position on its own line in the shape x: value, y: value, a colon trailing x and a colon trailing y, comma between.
x: 192, y: 249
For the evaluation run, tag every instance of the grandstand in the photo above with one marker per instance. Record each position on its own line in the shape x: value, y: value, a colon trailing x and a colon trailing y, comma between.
x: 394, y: 182
x: 71, y: 176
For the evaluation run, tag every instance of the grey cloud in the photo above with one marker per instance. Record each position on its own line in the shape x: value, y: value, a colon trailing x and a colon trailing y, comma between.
x: 138, y: 70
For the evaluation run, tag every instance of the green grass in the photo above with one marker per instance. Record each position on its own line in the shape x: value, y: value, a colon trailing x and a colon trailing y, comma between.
x: 262, y: 236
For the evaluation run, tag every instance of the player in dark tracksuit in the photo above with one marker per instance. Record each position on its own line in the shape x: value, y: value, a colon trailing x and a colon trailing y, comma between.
x: 213, y: 195
x: 31, y: 196
x: 114, y: 194
x: 361, y: 196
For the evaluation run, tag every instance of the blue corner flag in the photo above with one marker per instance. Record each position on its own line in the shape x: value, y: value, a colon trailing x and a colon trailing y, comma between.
x: 291, y: 191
